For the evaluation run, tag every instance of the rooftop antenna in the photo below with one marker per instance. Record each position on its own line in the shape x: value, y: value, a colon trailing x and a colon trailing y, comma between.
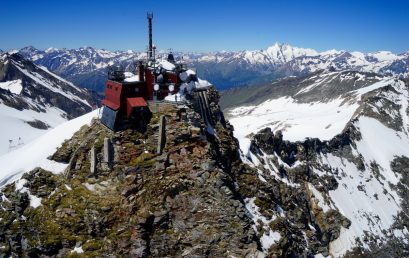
x: 150, y: 51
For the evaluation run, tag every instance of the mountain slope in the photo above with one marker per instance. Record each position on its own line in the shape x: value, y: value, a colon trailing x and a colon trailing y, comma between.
x: 36, y: 152
x: 33, y: 100
x: 341, y: 139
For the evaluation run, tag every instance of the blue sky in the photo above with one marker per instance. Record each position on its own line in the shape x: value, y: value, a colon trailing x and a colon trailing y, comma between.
x: 206, y: 25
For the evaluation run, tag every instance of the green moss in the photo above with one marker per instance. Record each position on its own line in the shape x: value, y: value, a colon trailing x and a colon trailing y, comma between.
x: 145, y: 159
x: 170, y: 231
x: 99, y: 143
x: 248, y: 183
x: 55, y: 233
x: 92, y: 245
x: 235, y: 224
x: 51, y: 228
x: 277, y: 224
x: 262, y: 203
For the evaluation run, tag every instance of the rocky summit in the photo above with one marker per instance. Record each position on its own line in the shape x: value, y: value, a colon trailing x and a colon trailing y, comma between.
x: 119, y: 198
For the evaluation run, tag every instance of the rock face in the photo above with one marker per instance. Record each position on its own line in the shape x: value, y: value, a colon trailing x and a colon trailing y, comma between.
x: 294, y: 197
x: 291, y: 199
x: 341, y: 190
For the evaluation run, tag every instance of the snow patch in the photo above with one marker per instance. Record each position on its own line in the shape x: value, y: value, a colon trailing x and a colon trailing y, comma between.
x: 68, y: 187
x: 297, y: 120
x: 320, y: 199
x: 14, y: 87
x: 269, y: 237
x: 78, y: 250
x: 35, y: 154
x: 89, y: 187
x: 16, y: 132
x: 130, y: 77
x: 34, y: 201
x: 166, y: 65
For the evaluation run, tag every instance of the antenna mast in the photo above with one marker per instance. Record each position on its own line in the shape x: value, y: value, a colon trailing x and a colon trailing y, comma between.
x: 150, y: 51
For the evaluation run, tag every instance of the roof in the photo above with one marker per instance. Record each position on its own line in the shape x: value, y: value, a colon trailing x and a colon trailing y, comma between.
x: 137, y: 102
x: 110, y: 104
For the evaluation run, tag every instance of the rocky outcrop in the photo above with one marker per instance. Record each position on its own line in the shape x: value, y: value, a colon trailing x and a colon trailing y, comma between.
x: 288, y: 194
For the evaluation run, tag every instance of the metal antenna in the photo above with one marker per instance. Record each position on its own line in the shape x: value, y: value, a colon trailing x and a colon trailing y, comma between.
x: 150, y: 17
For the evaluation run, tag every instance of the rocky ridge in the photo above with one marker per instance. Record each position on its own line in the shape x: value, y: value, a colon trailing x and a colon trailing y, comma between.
x: 183, y: 202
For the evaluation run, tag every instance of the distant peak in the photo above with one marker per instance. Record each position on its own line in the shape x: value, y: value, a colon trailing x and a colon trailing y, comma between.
x: 290, y: 51
x: 279, y: 45
x: 86, y: 48
x: 29, y: 48
x: 51, y: 49
x: 331, y: 52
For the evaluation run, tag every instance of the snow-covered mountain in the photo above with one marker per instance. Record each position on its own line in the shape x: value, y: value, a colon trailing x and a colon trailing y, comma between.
x: 87, y: 66
x: 32, y: 100
x: 339, y: 138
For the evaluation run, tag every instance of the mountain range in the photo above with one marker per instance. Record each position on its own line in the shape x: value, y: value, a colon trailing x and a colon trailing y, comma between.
x: 87, y: 66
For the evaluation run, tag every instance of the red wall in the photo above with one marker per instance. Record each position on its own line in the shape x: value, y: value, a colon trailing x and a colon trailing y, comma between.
x: 113, y: 92
x: 150, y: 81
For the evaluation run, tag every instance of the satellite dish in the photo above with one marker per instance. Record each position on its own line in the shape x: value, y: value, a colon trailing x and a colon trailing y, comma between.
x: 156, y: 87
x: 183, y: 76
x: 171, y: 87
x: 160, y: 78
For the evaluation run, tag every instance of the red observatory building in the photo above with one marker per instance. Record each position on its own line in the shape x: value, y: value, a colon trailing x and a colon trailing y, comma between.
x: 126, y: 98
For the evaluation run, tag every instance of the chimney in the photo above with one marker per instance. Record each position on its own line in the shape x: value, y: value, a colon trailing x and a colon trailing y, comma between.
x: 150, y: 51
x: 141, y: 71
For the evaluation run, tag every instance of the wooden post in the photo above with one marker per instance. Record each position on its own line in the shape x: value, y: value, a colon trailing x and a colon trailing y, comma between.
x: 93, y: 157
x: 107, y: 151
